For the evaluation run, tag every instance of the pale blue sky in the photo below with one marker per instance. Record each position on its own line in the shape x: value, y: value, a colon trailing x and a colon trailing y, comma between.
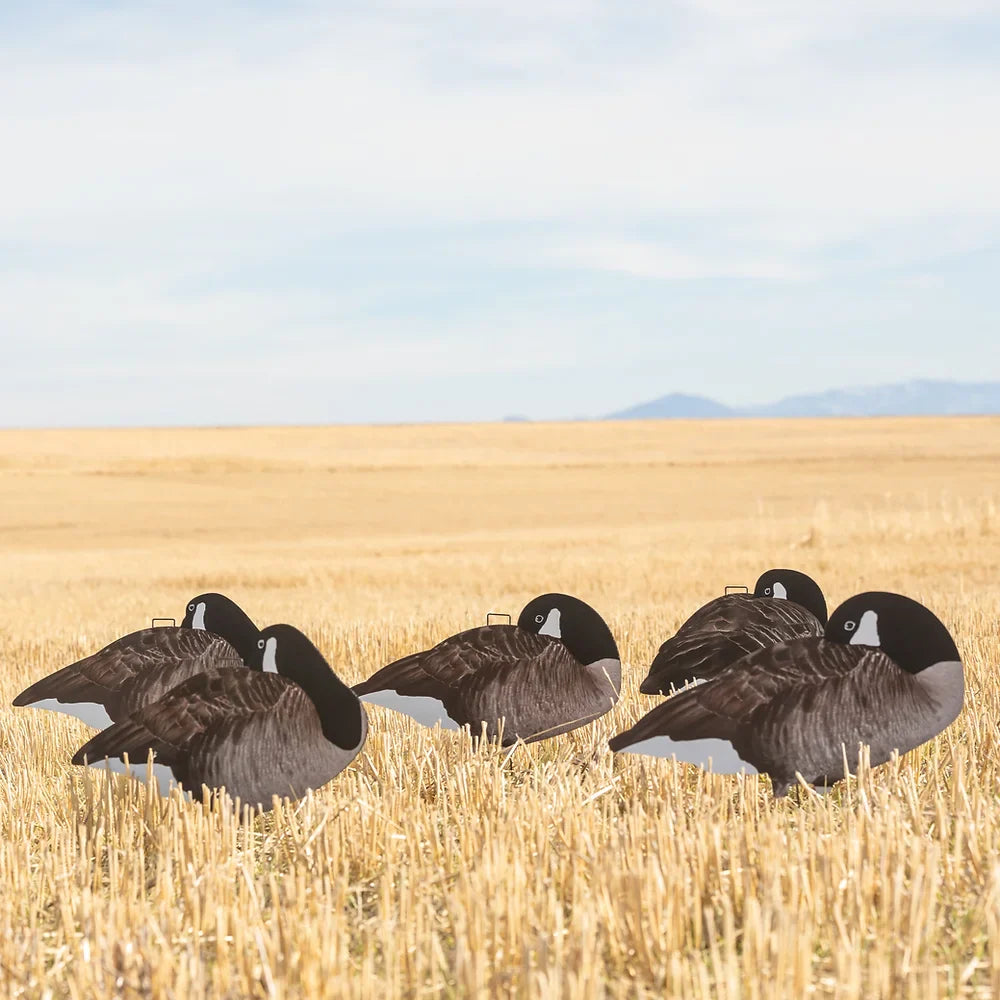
x: 315, y: 212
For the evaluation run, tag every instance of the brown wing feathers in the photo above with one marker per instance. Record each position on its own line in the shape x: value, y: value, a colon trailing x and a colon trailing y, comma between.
x: 694, y: 655
x: 129, y: 737
x: 436, y: 672
x: 682, y: 717
x: 723, y: 631
x: 133, y: 670
x: 72, y: 683
x: 497, y: 672
x: 765, y: 705
x: 187, y: 712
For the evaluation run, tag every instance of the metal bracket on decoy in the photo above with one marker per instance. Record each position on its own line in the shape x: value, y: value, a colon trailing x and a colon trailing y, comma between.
x: 173, y: 621
x: 497, y: 614
x: 737, y: 589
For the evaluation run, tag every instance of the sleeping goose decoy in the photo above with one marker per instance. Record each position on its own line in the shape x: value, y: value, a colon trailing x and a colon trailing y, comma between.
x: 140, y: 667
x: 785, y: 604
x: 556, y: 669
x: 285, y: 727
x: 886, y: 673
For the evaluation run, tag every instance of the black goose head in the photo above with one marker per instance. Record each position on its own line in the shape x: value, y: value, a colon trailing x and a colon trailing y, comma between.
x: 903, y: 629
x: 792, y: 585
x: 582, y: 630
x: 285, y: 650
x: 216, y: 613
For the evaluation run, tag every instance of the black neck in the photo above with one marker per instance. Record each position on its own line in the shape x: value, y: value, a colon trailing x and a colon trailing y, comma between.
x: 226, y: 619
x: 596, y: 643
x: 336, y: 704
x: 241, y: 634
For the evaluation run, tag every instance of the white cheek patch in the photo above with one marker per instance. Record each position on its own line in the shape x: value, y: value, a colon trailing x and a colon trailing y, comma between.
x: 552, y: 625
x: 866, y: 634
x: 198, y: 621
x: 427, y: 711
x: 779, y: 592
x: 716, y: 756
x: 89, y: 712
x: 270, y: 656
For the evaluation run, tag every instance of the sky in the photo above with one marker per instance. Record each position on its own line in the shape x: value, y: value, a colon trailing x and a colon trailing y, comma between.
x: 466, y: 209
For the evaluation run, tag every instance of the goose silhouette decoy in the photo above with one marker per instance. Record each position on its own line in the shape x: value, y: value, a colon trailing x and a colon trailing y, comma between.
x: 557, y: 669
x: 886, y: 674
x: 280, y: 729
x: 785, y: 604
x: 140, y: 667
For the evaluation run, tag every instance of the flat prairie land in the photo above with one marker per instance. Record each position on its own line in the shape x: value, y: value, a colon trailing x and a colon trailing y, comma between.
x: 431, y: 868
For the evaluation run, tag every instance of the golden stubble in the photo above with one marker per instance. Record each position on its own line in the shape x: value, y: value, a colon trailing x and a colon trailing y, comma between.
x: 433, y: 868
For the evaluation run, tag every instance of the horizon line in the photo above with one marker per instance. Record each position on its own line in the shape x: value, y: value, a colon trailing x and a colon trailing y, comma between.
x: 500, y: 421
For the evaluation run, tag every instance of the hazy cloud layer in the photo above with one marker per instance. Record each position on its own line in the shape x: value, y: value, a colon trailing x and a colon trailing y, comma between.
x: 412, y: 210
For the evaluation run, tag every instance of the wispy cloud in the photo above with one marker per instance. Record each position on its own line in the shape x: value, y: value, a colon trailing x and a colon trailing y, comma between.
x: 430, y: 178
x: 665, y: 263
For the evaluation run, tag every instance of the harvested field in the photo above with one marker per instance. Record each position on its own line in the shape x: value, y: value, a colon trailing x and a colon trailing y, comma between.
x: 433, y: 869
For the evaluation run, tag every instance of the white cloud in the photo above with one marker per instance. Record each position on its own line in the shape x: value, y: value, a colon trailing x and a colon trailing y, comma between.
x: 148, y: 155
x: 349, y: 122
x: 247, y: 333
x: 654, y: 260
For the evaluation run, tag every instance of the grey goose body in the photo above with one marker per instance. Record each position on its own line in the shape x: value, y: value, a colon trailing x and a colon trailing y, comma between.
x: 139, y: 668
x: 886, y: 674
x: 280, y: 730
x: 785, y: 604
x: 557, y: 669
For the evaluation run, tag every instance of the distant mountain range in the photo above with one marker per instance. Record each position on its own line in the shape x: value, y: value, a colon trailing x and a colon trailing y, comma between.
x: 920, y: 397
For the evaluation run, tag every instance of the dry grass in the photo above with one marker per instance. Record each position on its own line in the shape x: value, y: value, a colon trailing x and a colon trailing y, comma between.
x: 432, y: 869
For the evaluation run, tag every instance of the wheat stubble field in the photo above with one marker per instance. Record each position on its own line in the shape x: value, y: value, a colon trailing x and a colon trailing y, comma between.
x: 433, y: 869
